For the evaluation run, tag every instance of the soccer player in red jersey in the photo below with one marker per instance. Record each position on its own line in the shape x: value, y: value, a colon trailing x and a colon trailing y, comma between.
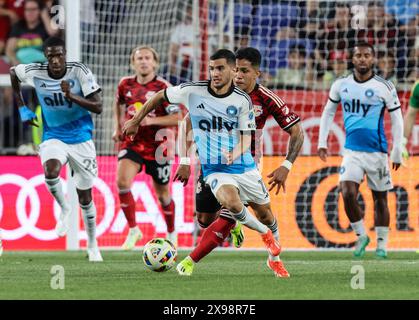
x: 145, y: 149
x: 209, y: 212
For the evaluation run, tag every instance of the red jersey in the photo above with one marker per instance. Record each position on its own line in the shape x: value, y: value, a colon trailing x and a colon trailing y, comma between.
x: 5, y: 25
x: 133, y: 95
x: 265, y: 104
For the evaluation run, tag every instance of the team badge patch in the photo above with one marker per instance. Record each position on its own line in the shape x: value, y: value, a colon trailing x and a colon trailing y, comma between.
x: 214, y: 183
x: 369, y: 93
x: 342, y: 170
x: 232, y: 111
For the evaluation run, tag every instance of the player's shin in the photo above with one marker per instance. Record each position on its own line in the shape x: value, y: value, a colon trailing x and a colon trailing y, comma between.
x: 56, y: 189
x: 213, y: 236
x: 89, y: 218
x: 128, y: 206
x: 275, y: 232
x: 169, y: 215
x: 250, y: 221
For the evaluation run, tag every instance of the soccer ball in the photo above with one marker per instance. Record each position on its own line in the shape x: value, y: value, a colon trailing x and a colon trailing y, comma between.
x: 159, y: 255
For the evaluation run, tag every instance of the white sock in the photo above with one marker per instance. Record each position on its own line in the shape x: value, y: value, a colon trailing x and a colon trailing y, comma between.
x: 89, y: 218
x: 274, y: 228
x: 359, y: 228
x: 133, y: 229
x: 244, y: 217
x: 56, y: 189
x: 382, y: 237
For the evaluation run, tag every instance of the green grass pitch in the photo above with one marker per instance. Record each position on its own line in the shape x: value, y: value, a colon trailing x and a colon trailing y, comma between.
x: 221, y: 275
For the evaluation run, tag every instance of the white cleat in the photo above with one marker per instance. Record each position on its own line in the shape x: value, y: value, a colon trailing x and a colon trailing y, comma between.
x: 134, y: 235
x: 172, y: 237
x: 61, y: 227
x: 94, y: 254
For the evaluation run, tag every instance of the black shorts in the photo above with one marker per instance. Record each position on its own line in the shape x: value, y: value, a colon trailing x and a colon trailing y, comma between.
x: 159, y: 172
x: 205, y: 200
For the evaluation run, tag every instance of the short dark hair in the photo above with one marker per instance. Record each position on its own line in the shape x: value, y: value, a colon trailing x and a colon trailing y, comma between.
x: 53, y: 42
x: 362, y: 44
x: 250, y: 54
x: 224, y: 54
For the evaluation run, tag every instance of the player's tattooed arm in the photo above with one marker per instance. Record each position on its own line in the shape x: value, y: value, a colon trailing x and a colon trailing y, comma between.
x: 25, y: 113
x: 295, y: 142
x: 131, y: 126
x: 93, y: 102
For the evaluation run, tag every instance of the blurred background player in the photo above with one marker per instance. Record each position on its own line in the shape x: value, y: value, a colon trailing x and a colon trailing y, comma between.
x: 365, y: 97
x: 133, y: 91
x: 410, y: 117
x: 222, y: 117
x: 67, y: 93
x: 265, y: 103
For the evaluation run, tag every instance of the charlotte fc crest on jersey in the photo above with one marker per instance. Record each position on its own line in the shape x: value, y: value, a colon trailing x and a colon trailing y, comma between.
x: 232, y: 111
x: 369, y: 93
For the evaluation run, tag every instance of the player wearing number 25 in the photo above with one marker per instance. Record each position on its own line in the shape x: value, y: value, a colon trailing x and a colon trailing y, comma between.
x: 68, y: 94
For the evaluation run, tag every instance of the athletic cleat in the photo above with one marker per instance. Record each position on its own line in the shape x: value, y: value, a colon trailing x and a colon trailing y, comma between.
x: 278, y: 268
x: 172, y: 237
x: 237, y: 235
x: 94, y: 254
x: 381, y: 253
x: 360, y: 246
x: 273, y: 246
x: 61, y: 227
x: 185, y: 267
x: 133, y: 236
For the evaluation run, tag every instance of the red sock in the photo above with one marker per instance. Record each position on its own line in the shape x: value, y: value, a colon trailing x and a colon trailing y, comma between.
x: 128, y: 206
x: 169, y: 216
x: 210, y: 240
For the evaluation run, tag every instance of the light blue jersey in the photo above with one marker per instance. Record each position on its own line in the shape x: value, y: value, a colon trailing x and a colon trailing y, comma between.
x: 364, y: 105
x: 216, y: 123
x: 62, y: 119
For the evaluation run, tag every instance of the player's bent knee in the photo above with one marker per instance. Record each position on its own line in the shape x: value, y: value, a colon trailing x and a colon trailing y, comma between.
x: 85, y: 196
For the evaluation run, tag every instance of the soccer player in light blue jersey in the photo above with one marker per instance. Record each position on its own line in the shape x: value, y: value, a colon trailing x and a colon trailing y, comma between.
x: 68, y: 94
x: 222, y: 118
x: 365, y: 97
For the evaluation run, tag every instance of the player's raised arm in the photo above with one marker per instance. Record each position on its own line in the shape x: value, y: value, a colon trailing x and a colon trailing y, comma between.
x: 26, y: 115
x: 131, y: 126
x: 92, y: 102
x: 326, y: 120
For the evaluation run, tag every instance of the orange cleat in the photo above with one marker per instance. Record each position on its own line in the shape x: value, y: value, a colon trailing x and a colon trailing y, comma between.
x: 273, y: 246
x: 278, y: 268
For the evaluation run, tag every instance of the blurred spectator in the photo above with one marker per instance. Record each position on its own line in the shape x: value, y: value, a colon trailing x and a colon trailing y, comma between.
x: 27, y: 36
x: 386, y: 66
x: 11, y: 11
x: 181, y: 51
x: 404, y: 10
x: 339, y: 67
x: 279, y: 48
x: 381, y: 29
x: 294, y: 75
